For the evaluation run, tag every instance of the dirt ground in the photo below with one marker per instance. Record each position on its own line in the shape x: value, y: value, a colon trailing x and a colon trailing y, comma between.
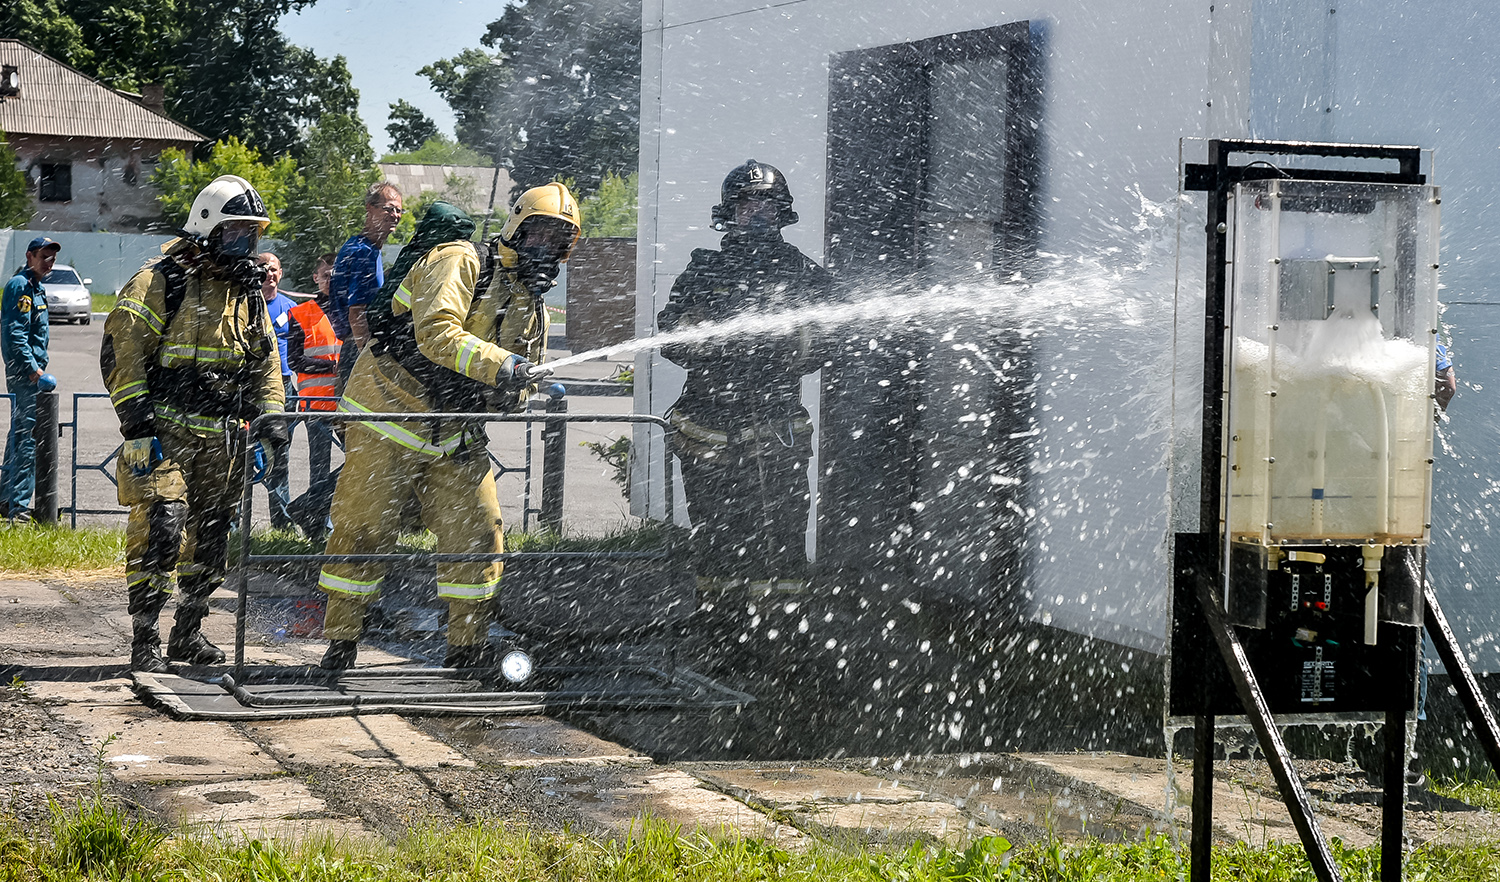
x: 70, y: 722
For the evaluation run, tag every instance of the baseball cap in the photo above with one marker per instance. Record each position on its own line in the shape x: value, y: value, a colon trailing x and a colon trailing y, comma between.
x: 42, y: 242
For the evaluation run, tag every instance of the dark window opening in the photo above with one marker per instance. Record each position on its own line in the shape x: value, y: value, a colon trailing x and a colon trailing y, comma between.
x: 943, y: 132
x: 933, y: 160
x: 55, y: 183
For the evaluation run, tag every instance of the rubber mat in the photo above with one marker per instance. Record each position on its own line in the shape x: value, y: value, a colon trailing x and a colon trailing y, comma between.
x: 299, y: 693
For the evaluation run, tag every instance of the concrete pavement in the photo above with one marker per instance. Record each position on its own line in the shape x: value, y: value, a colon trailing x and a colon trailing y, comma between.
x: 381, y: 775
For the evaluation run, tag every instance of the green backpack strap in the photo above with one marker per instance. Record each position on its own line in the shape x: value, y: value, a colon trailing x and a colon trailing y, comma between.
x: 441, y: 223
x: 447, y: 390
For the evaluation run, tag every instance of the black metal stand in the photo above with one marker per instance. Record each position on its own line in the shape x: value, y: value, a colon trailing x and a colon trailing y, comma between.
x: 1201, y: 563
x: 1393, y: 796
x: 1200, y: 862
x: 1474, y: 703
x: 1287, y: 780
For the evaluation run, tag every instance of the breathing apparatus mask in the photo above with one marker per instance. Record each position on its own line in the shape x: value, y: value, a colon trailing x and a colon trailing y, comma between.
x: 233, y: 240
x: 757, y: 217
x: 541, y: 245
x: 232, y: 248
x: 754, y: 202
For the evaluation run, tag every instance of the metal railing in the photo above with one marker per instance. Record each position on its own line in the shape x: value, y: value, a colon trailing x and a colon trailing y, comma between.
x: 246, y: 558
x: 576, y: 388
x: 74, y: 465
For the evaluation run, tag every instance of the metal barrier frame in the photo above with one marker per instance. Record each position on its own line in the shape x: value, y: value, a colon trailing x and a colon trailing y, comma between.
x: 242, y: 570
x: 590, y: 388
x: 103, y: 466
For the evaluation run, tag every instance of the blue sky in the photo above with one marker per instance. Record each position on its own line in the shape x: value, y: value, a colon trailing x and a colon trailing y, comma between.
x: 385, y: 42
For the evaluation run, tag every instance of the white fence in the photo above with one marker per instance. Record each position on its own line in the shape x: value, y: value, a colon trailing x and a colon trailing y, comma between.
x: 110, y: 259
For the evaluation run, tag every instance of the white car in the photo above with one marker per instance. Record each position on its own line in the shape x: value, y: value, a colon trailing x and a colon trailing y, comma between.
x: 68, y: 298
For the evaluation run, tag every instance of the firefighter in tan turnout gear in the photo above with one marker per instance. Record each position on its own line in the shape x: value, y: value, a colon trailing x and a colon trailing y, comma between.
x: 455, y: 329
x: 188, y: 357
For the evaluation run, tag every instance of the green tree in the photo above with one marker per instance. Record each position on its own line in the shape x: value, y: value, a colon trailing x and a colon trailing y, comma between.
x: 239, y: 76
x: 326, y: 200
x: 558, y: 96
x: 179, y: 180
x: 469, y: 82
x: 15, y: 192
x: 611, y: 210
x: 46, y: 25
x: 409, y: 127
x: 440, y: 150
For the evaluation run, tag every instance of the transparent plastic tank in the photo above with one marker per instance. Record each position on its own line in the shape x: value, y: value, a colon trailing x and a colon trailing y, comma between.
x: 1333, y: 320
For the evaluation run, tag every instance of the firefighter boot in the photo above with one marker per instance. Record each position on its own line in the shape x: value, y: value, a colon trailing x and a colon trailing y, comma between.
x: 468, y: 633
x: 146, y: 602
x: 343, y: 621
x: 478, y: 656
x: 340, y: 655
x: 145, y: 646
x: 186, y: 643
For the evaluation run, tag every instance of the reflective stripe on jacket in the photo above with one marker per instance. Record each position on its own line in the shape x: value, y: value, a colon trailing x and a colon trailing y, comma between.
x: 203, y: 345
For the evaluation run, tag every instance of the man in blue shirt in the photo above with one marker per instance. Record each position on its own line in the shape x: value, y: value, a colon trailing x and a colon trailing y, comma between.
x: 358, y: 274
x: 23, y: 342
x: 1447, y: 380
x: 278, y: 479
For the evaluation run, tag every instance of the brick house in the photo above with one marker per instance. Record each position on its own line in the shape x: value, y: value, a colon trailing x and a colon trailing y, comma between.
x: 88, y: 150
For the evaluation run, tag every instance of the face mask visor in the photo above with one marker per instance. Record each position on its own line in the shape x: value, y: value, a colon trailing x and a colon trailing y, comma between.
x: 542, y: 243
x: 758, y: 215
x: 235, y: 239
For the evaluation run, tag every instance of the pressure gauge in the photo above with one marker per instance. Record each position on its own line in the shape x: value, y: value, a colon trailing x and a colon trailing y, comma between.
x: 516, y: 667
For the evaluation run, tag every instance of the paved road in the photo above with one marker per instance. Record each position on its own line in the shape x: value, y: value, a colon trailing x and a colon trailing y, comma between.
x: 593, y: 503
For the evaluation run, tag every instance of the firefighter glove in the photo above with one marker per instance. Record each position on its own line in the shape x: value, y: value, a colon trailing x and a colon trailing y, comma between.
x: 141, y: 455
x: 273, y: 433
x: 525, y: 373
x: 265, y: 461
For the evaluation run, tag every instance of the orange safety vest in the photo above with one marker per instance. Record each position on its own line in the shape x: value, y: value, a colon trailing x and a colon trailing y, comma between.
x: 318, y: 341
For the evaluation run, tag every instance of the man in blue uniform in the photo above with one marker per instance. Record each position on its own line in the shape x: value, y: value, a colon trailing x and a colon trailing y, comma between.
x: 23, y: 343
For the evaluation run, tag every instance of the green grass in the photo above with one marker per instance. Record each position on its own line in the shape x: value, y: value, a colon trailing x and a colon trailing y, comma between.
x: 1481, y: 791
x: 45, y: 549
x: 647, y: 537
x: 102, y: 302
x: 40, y: 549
x: 97, y: 840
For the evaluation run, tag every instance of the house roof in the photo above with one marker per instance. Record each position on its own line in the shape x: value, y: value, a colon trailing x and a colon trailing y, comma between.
x: 58, y: 101
x: 414, y: 180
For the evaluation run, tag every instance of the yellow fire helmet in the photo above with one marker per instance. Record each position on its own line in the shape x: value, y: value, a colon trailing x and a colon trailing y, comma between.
x: 549, y: 200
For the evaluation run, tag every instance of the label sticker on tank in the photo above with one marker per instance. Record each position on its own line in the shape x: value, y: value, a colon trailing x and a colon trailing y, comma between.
x: 1317, y: 679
